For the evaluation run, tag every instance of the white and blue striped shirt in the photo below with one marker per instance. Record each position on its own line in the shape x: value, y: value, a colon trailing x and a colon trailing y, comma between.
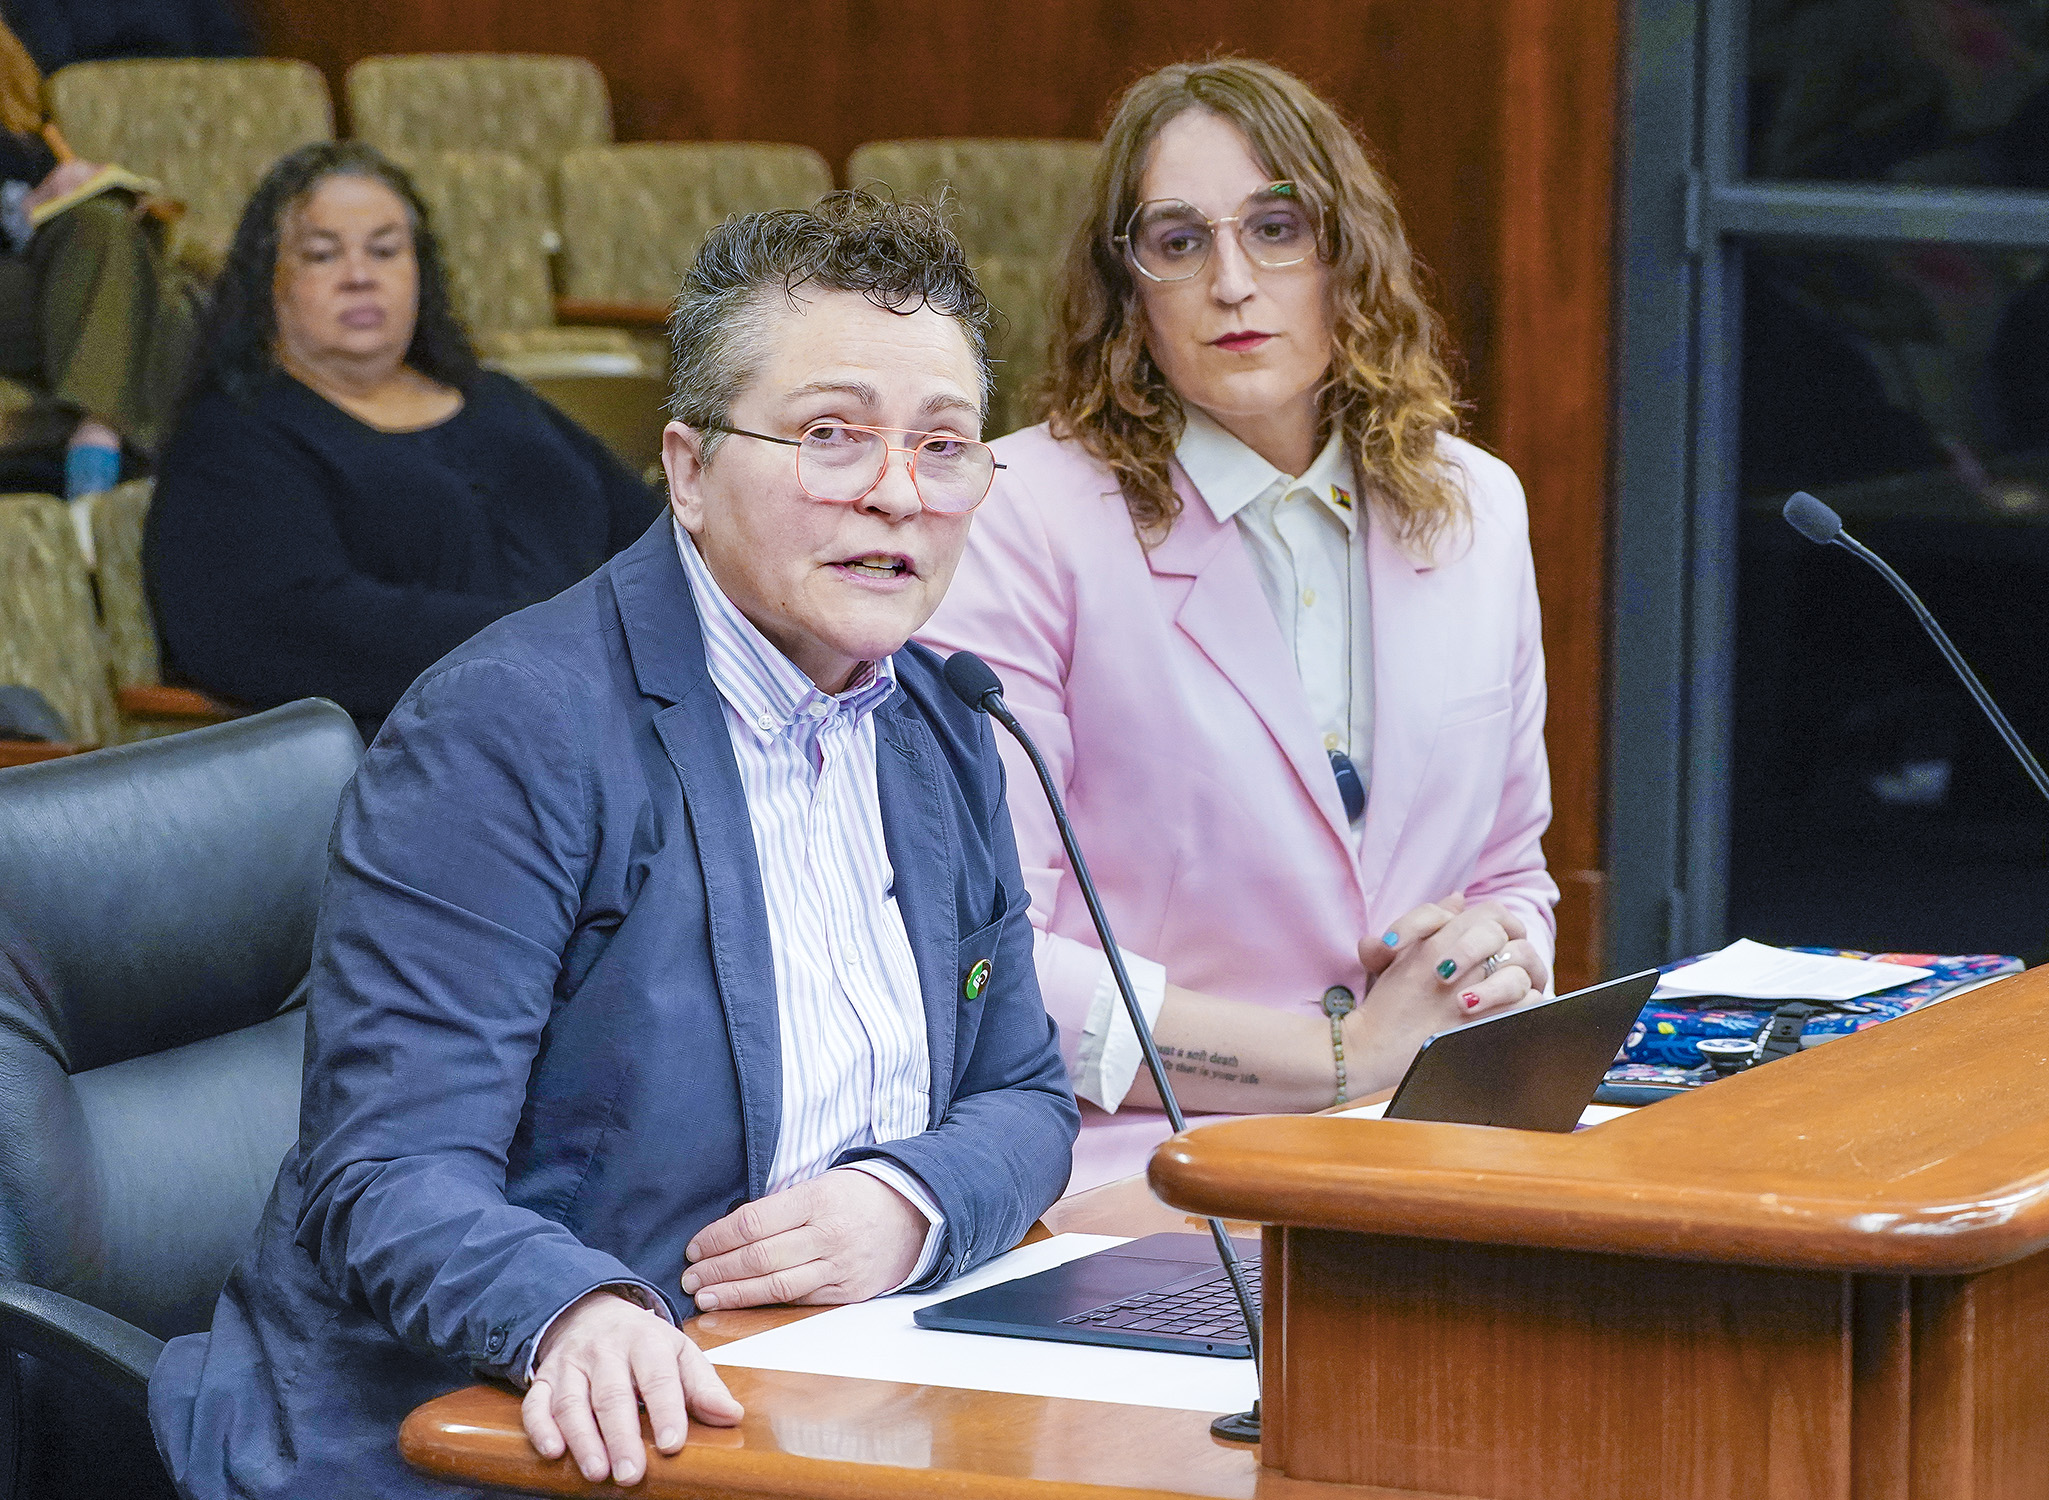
x: 855, y: 1064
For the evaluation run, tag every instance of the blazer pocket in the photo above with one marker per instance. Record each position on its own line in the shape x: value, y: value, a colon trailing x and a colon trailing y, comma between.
x: 974, y: 963
x: 1469, y: 707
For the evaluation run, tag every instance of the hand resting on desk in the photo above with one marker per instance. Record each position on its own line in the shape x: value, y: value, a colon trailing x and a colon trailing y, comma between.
x: 843, y: 1236
x: 600, y: 1362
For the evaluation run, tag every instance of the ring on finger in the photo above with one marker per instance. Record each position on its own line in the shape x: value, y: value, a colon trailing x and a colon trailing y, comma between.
x: 1492, y: 962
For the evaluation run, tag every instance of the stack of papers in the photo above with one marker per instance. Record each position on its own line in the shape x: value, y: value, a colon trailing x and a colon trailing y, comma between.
x: 1756, y: 971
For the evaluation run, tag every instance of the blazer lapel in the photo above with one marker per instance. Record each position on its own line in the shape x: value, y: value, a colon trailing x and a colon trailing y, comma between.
x: 666, y: 646
x: 1409, y: 665
x: 923, y: 854
x: 1225, y: 612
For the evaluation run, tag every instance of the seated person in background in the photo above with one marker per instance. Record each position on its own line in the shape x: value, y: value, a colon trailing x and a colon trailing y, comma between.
x: 347, y: 497
x: 91, y: 314
x: 674, y: 953
x: 61, y: 32
x: 1275, y: 626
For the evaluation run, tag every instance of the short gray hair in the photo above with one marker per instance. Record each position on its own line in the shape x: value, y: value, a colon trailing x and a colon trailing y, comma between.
x: 900, y: 256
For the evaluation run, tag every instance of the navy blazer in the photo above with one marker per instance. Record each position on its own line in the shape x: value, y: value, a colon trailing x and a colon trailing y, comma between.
x: 542, y: 1045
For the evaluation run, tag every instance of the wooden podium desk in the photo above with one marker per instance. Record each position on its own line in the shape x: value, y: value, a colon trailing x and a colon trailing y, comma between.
x: 1823, y: 1280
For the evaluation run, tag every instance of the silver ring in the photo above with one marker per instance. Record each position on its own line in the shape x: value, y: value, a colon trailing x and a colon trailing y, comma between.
x: 1492, y: 962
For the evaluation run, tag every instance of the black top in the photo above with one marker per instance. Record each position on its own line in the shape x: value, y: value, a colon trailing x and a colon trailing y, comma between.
x: 57, y: 32
x: 294, y: 551
x: 25, y: 157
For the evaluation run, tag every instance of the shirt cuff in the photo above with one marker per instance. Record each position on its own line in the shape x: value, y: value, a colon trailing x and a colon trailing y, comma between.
x: 889, y: 1174
x: 1109, y: 1056
x: 14, y: 220
x: 639, y: 1293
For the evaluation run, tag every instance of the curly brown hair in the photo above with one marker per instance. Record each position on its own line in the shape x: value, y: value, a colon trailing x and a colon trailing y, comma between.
x: 1387, y: 388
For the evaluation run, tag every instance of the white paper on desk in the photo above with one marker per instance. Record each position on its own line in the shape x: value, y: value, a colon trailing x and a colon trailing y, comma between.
x: 1592, y: 1115
x: 878, y: 1341
x: 1754, y: 971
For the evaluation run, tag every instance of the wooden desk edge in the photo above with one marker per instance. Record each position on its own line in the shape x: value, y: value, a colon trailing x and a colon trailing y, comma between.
x: 1694, y: 1178
x: 1660, y: 1224
x: 473, y: 1436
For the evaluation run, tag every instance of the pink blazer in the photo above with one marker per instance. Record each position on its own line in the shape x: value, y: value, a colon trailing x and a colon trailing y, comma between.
x: 1160, y: 689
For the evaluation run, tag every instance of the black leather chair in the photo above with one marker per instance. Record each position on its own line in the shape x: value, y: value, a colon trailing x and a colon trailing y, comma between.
x: 156, y: 916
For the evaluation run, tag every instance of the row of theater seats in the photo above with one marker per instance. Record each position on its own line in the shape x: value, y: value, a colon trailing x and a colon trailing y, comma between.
x: 85, y: 642
x: 563, y: 245
x: 528, y: 193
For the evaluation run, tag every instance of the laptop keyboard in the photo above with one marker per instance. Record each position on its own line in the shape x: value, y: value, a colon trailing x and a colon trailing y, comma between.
x: 1207, y: 1310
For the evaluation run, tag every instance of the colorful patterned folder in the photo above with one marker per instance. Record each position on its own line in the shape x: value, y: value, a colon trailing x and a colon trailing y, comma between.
x: 1663, y: 1046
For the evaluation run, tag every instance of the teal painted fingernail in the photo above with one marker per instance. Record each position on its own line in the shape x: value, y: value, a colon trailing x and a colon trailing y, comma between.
x: 1391, y: 938
x: 1446, y: 969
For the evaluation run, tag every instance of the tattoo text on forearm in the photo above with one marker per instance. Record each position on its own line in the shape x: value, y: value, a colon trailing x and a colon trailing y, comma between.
x: 1201, y: 1064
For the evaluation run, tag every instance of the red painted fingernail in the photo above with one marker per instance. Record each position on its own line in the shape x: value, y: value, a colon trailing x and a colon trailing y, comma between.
x: 1470, y: 999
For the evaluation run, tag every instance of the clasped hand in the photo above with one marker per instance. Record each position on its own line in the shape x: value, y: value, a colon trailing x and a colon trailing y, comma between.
x: 1435, y: 975
x: 844, y: 1236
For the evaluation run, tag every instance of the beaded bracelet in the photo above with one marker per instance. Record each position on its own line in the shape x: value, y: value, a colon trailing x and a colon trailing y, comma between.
x: 1337, y: 1004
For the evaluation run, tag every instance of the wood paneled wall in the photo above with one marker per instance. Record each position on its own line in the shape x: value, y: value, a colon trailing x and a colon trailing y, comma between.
x: 1546, y: 401
x: 1495, y: 119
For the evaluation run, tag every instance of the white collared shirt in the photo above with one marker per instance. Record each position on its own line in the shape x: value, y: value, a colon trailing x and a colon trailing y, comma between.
x: 1307, y: 544
x: 1305, y: 537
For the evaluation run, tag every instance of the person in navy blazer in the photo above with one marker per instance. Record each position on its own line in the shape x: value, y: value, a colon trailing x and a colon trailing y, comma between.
x: 544, y: 1079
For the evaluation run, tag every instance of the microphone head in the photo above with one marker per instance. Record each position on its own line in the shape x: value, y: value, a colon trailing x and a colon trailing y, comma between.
x: 1811, y: 518
x: 973, y: 680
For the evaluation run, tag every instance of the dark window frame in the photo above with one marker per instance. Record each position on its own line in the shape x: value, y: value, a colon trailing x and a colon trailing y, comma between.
x: 1685, y: 208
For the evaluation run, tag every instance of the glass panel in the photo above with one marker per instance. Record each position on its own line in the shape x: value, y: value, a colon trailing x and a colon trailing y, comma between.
x: 1949, y: 93
x: 1907, y: 386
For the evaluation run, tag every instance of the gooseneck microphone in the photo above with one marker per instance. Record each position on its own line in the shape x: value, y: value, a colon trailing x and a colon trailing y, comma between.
x: 977, y: 685
x: 1818, y: 523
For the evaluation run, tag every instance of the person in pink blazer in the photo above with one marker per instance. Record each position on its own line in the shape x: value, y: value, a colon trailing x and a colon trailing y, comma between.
x: 1273, y: 624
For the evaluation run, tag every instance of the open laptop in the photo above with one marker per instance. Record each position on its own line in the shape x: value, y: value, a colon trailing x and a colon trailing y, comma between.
x: 1529, y: 1069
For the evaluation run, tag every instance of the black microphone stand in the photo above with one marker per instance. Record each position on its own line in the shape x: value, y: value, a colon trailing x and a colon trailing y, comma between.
x: 1242, y: 1427
x: 1818, y: 523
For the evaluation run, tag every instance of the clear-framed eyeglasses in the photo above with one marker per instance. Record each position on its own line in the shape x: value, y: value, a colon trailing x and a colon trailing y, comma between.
x: 842, y: 462
x: 1168, y: 240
